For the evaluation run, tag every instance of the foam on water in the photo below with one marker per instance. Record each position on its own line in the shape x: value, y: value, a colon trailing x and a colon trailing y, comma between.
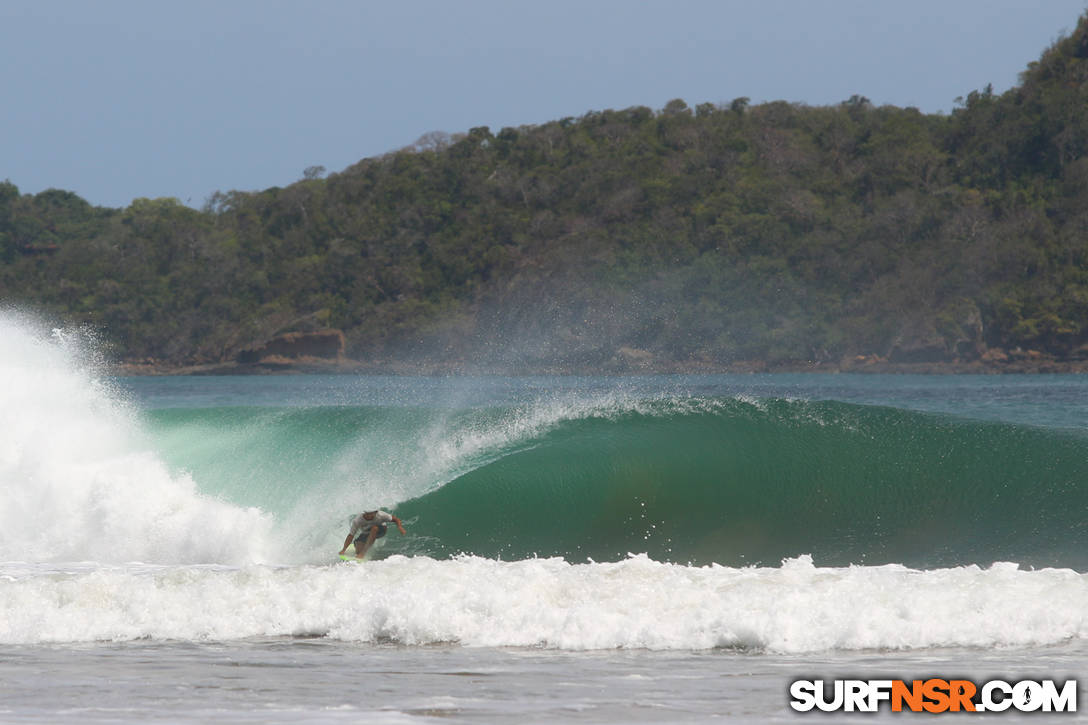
x: 550, y: 603
x: 79, y: 480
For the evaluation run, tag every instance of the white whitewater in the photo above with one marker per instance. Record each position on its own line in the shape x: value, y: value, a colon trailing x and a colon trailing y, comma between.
x: 79, y: 480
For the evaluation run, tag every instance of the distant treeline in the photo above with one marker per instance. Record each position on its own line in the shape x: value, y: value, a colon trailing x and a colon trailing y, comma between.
x: 709, y: 235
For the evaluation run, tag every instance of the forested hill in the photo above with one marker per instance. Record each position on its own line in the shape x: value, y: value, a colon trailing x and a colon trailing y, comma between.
x: 724, y: 234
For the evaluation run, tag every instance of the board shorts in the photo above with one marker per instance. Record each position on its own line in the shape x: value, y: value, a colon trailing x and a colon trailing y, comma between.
x: 361, y: 538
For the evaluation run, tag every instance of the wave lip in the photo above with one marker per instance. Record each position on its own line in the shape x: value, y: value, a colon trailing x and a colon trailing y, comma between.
x: 636, y: 603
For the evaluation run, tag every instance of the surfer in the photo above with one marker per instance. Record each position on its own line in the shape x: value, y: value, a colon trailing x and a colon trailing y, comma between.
x: 368, y: 527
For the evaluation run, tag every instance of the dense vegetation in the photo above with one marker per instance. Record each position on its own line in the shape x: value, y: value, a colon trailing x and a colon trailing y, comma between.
x: 724, y: 233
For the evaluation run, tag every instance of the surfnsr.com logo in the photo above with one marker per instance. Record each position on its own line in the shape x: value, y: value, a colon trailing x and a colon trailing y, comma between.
x: 933, y: 695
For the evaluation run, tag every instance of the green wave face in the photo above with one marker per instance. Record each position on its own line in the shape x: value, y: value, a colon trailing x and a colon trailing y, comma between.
x: 699, y: 480
x: 735, y: 482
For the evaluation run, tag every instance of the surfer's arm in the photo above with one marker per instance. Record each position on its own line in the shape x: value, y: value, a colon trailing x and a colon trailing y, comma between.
x: 400, y: 526
x: 347, y: 543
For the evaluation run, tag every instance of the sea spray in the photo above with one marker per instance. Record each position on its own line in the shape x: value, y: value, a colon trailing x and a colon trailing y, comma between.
x: 78, y: 479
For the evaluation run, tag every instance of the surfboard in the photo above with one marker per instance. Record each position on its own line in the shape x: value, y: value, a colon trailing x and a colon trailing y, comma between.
x: 351, y: 557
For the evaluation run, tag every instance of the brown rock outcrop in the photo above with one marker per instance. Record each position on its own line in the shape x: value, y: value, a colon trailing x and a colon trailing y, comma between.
x: 295, y: 346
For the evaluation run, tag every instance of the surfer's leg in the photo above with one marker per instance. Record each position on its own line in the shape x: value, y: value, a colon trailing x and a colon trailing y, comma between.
x: 361, y: 548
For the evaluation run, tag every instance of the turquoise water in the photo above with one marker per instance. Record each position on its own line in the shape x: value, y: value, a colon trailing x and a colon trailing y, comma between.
x: 733, y: 470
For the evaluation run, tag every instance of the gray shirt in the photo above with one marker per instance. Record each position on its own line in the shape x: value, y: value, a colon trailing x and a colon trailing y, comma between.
x: 359, y: 524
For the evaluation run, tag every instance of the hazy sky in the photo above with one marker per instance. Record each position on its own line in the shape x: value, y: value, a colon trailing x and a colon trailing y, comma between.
x: 116, y: 99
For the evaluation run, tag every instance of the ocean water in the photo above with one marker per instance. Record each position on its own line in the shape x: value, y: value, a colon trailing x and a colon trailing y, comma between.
x: 638, y: 549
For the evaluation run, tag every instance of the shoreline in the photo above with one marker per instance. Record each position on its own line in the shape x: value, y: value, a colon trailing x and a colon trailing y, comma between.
x: 343, y: 366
